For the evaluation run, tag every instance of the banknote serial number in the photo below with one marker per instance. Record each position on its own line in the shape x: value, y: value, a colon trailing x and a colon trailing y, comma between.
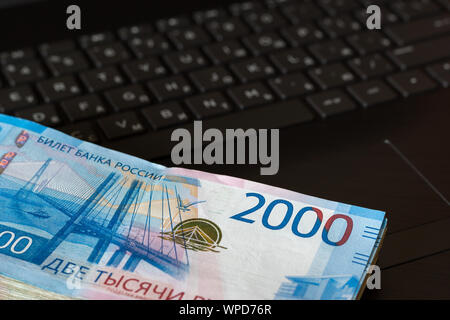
x: 297, y: 221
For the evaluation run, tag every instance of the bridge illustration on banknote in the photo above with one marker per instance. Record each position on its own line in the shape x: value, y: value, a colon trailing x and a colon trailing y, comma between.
x: 128, y: 220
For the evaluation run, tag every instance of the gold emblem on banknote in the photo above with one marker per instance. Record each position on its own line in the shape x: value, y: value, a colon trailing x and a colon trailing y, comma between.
x: 196, y: 234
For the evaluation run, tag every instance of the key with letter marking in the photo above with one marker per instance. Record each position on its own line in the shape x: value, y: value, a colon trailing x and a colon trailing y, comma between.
x: 127, y: 97
x: 207, y: 105
x: 331, y: 103
x: 101, y: 79
x: 170, y: 88
x: 373, y: 92
x: 121, y: 125
x: 250, y: 95
x: 165, y: 115
x: 59, y: 88
x: 14, y: 98
x: 84, y: 107
x: 45, y: 115
x: 412, y: 82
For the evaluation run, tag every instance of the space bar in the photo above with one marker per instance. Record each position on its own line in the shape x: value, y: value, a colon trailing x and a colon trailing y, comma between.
x: 157, y: 144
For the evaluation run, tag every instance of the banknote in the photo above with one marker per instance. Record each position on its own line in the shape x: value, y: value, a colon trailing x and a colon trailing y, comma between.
x: 82, y: 221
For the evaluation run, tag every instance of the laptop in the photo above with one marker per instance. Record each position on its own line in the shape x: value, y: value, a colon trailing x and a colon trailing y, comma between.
x: 363, y: 114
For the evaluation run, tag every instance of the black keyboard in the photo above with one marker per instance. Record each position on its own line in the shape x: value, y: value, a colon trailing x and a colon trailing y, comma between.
x: 266, y: 64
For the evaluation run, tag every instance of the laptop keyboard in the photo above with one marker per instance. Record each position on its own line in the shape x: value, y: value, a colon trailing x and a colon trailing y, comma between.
x: 273, y: 63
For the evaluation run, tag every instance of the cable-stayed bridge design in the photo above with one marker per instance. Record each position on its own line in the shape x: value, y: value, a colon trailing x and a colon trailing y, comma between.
x: 117, y: 210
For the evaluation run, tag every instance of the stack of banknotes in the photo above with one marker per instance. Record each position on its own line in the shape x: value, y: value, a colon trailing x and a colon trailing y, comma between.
x: 85, y: 222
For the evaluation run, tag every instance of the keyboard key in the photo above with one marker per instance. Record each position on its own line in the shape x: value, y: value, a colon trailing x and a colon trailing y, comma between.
x: 293, y: 112
x: 291, y: 85
x: 47, y: 49
x: 238, y: 9
x: 330, y: 103
x: 83, y: 131
x: 188, y: 37
x: 208, y: 105
x: 121, y: 125
x: 264, y: 42
x: 127, y: 97
x: 23, y: 71
x: 339, y: 26
x: 292, y: 60
x: 182, y: 61
x: 225, y: 51
x: 420, y: 29
x: 108, y: 54
x: 330, y: 51
x: 300, y: 12
x: 165, y: 115
x: 272, y: 4
x: 371, y: 66
x: 66, y: 62
x: 251, y: 95
x: 84, y: 107
x: 441, y: 72
x: 227, y: 28
x: 212, y: 78
x: 332, y: 75
x: 370, y: 41
x: 148, y: 45
x: 95, y: 39
x: 252, y: 69
x: 16, y: 55
x: 127, y: 33
x: 101, y: 79
x: 144, y: 69
x: 173, y: 23
x: 58, y: 88
x: 264, y: 20
x: 412, y: 82
x: 45, y: 115
x: 15, y: 98
x: 302, y: 34
x: 412, y: 9
x: 421, y: 53
x: 335, y: 7
x: 372, y: 92
x: 170, y: 88
x: 208, y: 15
